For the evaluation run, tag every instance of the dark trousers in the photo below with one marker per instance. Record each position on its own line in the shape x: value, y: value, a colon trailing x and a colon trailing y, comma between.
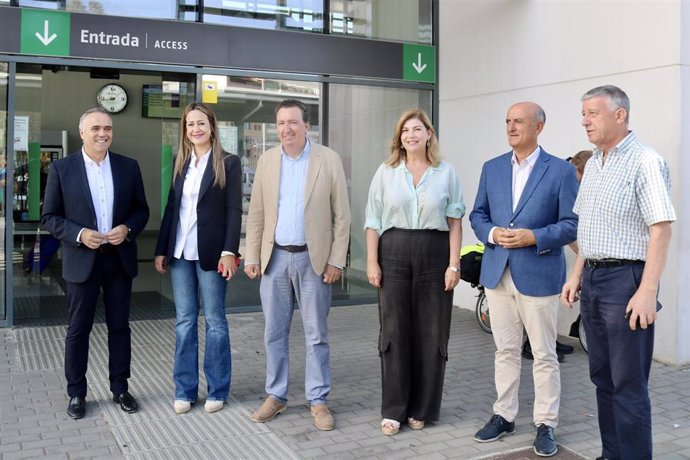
x: 414, y: 313
x: 619, y: 361
x: 108, y: 275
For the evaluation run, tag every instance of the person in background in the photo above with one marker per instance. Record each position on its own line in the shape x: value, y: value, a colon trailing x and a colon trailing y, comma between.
x: 95, y: 205
x: 578, y: 160
x: 625, y: 212
x: 298, y: 231
x: 198, y: 243
x: 523, y: 214
x: 413, y: 236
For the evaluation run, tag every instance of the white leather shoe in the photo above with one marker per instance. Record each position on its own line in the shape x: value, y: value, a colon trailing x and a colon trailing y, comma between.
x: 182, y: 406
x: 213, y: 406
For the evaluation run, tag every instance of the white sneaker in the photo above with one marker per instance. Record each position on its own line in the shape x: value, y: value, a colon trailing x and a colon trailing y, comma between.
x: 213, y: 406
x: 182, y: 406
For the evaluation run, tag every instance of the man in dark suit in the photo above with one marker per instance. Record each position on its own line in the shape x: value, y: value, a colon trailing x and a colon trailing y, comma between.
x: 523, y: 214
x: 95, y: 205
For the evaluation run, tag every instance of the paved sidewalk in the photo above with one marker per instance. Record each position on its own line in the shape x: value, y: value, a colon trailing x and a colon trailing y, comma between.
x: 33, y: 422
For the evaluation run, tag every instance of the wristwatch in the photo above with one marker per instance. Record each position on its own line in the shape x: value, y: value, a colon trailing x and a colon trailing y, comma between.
x: 453, y: 269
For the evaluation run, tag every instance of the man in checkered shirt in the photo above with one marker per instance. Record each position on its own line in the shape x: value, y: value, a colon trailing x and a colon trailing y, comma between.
x: 625, y: 211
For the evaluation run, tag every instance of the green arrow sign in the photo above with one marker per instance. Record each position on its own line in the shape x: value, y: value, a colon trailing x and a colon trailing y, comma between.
x: 45, y: 32
x: 419, y: 63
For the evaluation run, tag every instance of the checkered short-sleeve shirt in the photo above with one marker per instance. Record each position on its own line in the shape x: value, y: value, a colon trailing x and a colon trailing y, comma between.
x: 619, y: 199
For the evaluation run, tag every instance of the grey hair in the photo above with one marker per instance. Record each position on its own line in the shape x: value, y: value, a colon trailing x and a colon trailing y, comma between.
x: 615, y: 96
x: 539, y: 114
x: 89, y: 112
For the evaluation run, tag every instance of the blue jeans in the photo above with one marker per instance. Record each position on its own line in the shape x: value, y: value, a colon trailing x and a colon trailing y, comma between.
x: 190, y: 283
x: 290, y: 277
x: 619, y: 361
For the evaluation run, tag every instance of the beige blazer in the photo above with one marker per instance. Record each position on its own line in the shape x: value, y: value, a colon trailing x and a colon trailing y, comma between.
x: 326, y: 209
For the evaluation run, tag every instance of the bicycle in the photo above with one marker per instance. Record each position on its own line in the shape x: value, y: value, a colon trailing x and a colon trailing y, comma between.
x: 577, y: 329
x: 481, y: 309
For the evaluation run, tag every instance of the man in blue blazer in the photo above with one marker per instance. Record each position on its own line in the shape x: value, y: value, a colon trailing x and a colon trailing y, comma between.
x: 95, y: 205
x: 523, y: 214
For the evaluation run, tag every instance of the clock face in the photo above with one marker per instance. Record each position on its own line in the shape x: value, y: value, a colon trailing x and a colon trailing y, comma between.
x: 112, y: 98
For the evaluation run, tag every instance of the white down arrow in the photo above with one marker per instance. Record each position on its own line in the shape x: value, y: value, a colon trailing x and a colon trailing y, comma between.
x: 45, y: 39
x: 418, y: 66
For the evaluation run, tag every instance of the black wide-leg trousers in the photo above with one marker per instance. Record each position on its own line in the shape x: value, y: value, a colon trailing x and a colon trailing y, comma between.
x: 414, y: 314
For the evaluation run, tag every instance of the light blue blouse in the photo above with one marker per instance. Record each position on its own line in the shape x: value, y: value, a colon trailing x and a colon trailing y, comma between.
x: 395, y: 202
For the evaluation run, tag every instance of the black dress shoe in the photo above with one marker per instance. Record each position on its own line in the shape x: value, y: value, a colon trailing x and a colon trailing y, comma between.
x: 527, y: 352
x: 76, y: 407
x: 126, y: 402
x: 563, y: 348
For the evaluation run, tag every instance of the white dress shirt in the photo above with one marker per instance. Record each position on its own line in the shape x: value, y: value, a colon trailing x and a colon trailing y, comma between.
x: 100, y: 178
x: 186, y: 237
x: 521, y: 172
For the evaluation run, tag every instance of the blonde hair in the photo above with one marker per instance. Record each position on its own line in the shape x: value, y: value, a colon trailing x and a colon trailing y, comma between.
x: 186, y: 148
x: 398, y: 153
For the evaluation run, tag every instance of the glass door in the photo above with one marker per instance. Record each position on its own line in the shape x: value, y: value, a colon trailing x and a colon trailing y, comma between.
x: 245, y: 109
x: 49, y: 102
x: 3, y: 192
x: 37, y: 284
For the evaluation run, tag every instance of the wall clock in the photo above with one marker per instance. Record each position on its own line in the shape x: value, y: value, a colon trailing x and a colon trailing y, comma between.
x: 112, y: 98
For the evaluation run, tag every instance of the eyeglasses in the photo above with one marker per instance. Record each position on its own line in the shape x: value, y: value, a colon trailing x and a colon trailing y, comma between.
x: 569, y: 159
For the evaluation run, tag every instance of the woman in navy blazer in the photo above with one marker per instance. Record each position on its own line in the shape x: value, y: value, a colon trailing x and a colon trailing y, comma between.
x: 199, y: 241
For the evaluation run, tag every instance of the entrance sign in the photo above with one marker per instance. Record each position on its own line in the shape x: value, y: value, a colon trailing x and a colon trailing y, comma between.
x: 45, y: 32
x: 419, y: 63
x: 77, y: 35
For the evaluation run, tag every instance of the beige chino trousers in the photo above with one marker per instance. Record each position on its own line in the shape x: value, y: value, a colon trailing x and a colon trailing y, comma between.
x: 511, y: 312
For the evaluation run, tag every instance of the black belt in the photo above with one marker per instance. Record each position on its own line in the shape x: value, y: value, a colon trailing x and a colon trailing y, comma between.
x: 291, y: 247
x: 105, y: 248
x: 611, y: 263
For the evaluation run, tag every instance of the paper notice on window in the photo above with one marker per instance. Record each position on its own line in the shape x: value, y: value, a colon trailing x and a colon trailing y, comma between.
x: 209, y: 92
x: 228, y: 137
x: 21, y: 133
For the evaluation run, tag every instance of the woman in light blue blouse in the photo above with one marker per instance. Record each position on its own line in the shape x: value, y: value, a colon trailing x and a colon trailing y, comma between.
x: 413, y: 233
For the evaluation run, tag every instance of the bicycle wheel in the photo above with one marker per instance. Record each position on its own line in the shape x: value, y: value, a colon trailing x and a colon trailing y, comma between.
x: 583, y: 336
x: 482, y: 313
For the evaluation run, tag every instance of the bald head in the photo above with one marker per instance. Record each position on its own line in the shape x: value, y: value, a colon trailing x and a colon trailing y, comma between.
x: 524, y: 122
x: 537, y: 113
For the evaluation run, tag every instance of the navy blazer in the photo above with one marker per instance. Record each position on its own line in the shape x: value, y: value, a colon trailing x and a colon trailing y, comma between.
x: 68, y: 207
x: 545, y: 207
x: 218, y: 213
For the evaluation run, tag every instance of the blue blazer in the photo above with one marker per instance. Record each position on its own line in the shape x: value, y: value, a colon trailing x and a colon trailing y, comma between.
x: 68, y: 207
x: 545, y: 207
x: 218, y: 213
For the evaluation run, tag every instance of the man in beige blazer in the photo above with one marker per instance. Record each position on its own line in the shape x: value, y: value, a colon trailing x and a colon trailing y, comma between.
x: 298, y: 231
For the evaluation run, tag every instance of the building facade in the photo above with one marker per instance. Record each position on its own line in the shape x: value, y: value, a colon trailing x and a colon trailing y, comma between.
x: 495, y: 53
x: 356, y: 64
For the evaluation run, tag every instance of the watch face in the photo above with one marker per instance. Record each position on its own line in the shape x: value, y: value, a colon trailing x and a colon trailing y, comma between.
x: 112, y: 98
